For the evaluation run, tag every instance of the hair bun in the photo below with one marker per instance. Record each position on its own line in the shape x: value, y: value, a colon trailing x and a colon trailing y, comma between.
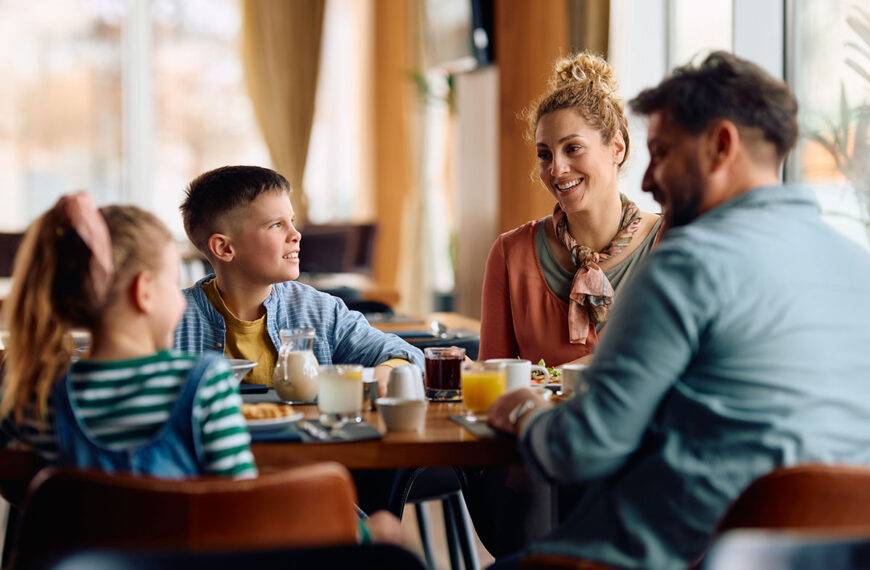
x: 586, y: 70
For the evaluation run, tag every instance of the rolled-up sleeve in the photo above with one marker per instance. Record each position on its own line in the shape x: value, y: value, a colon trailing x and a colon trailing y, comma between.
x: 653, y: 334
x: 356, y: 341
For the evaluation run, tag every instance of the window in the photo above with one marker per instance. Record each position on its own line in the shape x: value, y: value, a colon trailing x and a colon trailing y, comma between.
x: 129, y: 99
x: 338, y: 174
x: 831, y: 94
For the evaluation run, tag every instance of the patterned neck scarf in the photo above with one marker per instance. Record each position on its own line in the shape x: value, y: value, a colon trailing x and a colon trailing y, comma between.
x: 591, y: 292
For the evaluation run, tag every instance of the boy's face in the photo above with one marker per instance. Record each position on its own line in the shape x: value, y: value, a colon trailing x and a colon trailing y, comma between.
x: 265, y: 242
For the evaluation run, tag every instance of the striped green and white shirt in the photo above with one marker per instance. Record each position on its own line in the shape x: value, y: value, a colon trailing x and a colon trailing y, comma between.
x: 124, y: 403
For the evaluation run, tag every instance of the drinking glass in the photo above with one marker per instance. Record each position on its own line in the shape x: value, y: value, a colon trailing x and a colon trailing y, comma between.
x: 443, y: 373
x: 482, y: 384
x: 339, y: 394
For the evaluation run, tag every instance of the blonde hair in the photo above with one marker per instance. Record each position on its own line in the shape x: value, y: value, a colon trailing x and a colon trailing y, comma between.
x: 584, y: 82
x: 53, y: 292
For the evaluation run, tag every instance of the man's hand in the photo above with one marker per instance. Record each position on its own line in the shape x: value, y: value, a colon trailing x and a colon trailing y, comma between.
x: 498, y: 416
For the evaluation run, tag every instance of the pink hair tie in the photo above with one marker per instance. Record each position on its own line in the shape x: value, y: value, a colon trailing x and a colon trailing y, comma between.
x: 79, y: 212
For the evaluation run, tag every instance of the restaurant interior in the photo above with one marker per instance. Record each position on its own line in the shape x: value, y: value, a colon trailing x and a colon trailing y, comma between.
x: 399, y: 125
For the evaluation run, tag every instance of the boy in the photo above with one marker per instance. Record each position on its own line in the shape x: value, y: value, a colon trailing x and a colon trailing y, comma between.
x: 241, y: 219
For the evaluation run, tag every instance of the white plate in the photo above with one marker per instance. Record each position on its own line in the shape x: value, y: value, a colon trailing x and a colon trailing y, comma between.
x: 273, y: 423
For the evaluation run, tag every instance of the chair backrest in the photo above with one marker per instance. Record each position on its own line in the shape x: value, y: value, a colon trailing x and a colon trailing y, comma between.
x: 17, y: 468
x: 809, y: 497
x: 9, y: 243
x: 355, y: 557
x: 308, y: 505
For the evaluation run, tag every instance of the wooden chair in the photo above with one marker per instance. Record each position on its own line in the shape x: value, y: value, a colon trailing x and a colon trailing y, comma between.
x: 764, y: 549
x: 66, y: 510
x: 832, y: 500
x: 810, y: 497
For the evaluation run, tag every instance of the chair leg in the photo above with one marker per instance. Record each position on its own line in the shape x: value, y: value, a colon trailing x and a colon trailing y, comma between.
x: 452, y: 534
x: 463, y: 529
x: 425, y: 540
x: 9, y: 538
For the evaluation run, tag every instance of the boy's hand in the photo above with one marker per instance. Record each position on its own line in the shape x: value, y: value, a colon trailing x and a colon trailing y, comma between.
x: 383, y: 526
x: 382, y: 375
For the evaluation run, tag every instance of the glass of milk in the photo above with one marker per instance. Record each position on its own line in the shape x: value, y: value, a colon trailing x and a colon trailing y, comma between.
x: 339, y: 394
x: 295, y: 376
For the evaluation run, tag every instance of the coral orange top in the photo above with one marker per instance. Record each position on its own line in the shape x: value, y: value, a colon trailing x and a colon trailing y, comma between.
x: 520, y: 314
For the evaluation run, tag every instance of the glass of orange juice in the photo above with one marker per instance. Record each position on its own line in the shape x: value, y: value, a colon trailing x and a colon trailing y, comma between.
x: 482, y: 384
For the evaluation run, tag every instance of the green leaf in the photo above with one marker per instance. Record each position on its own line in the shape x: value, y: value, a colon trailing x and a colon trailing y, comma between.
x: 857, y: 68
x: 860, y: 28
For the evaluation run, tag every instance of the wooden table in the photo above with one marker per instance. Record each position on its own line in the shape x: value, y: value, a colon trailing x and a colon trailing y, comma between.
x: 442, y: 443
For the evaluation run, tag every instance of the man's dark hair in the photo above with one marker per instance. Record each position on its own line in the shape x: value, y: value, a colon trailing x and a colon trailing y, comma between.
x: 217, y: 192
x: 725, y: 86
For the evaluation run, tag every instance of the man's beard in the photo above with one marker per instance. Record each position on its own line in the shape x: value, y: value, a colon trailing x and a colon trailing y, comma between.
x: 685, y: 200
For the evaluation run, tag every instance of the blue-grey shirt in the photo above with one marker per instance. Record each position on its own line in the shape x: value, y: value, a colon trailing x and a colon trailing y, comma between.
x: 342, y: 336
x: 741, y: 345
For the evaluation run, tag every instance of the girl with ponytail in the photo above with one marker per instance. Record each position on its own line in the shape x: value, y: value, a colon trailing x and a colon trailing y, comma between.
x: 113, y: 272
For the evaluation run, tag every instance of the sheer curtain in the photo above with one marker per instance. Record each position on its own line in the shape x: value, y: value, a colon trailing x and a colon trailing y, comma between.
x: 281, y: 54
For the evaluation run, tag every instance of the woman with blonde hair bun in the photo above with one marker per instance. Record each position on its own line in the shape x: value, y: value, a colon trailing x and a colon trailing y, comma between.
x: 550, y: 283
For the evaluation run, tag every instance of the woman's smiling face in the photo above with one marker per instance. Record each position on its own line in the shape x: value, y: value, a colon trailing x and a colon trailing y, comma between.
x: 574, y: 164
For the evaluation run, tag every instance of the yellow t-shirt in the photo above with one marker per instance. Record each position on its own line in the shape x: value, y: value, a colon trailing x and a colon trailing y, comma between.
x: 245, y: 339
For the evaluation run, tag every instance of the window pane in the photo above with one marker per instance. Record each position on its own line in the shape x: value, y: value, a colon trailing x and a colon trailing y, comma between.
x: 60, y: 104
x: 699, y: 26
x: 823, y: 43
x: 204, y: 118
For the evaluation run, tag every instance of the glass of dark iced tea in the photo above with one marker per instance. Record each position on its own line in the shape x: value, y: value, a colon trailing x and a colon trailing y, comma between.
x: 444, y: 373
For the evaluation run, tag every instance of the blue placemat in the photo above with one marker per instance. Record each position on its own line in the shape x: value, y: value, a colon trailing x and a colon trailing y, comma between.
x: 253, y: 388
x: 476, y: 427
x: 285, y: 433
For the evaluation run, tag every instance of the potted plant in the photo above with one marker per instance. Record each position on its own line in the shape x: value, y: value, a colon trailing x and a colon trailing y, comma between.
x: 849, y: 141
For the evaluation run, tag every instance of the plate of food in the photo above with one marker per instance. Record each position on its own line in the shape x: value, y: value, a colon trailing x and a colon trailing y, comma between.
x: 269, y: 415
x: 539, y: 379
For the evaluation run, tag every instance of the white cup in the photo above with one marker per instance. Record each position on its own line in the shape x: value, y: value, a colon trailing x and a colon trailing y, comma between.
x: 572, y: 379
x: 519, y: 372
x: 406, y: 382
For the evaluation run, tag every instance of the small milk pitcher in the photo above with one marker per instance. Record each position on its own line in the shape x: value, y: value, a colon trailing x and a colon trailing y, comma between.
x: 295, y: 376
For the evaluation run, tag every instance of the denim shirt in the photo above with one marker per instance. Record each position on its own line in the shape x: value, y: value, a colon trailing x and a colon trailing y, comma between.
x: 740, y: 346
x: 342, y: 336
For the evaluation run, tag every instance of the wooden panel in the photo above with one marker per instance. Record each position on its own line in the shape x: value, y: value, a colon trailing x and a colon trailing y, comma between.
x: 529, y: 36
x: 393, y: 97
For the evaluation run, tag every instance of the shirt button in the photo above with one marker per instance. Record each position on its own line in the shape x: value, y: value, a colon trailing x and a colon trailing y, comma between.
x: 219, y: 345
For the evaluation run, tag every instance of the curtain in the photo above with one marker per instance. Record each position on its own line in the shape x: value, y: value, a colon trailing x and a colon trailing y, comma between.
x: 281, y: 55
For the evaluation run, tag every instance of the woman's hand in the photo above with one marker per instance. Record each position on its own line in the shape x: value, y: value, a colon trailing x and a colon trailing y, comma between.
x: 502, y: 413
